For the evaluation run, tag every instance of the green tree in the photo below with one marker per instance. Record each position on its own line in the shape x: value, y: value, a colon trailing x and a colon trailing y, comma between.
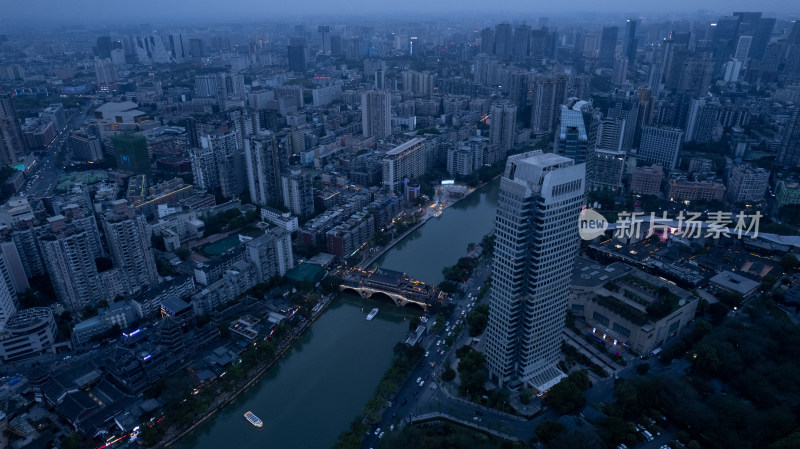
x: 548, y: 430
x: 448, y: 286
x: 792, y: 441
x: 788, y: 262
x: 525, y: 396
x: 768, y: 282
x: 449, y: 374
x: 413, y: 323
x: 706, y: 358
x: 73, y: 441
x: 472, y: 370
x: 151, y: 435
x: 567, y: 395
x: 183, y: 253
x: 478, y: 319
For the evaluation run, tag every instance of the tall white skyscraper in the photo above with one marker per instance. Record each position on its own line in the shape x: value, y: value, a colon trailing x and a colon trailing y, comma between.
x: 536, y: 239
x: 376, y: 113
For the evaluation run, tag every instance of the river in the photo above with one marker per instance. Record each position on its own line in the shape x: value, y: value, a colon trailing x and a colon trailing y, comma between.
x: 443, y: 240
x: 308, y: 398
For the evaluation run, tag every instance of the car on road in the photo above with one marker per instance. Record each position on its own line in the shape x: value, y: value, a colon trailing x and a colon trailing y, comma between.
x: 439, y: 343
x: 405, y: 401
x: 377, y: 431
x: 427, y: 353
x: 422, y: 383
x: 391, y: 427
x: 381, y: 435
x: 419, y: 379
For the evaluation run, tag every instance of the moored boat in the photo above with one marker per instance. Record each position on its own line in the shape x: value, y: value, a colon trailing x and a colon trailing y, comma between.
x: 372, y: 314
x: 254, y: 420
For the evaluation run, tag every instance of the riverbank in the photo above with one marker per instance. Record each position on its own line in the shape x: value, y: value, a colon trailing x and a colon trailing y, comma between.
x: 223, y: 401
x: 364, y: 264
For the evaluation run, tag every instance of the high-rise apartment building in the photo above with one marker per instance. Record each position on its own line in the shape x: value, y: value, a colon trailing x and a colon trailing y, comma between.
x: 522, y: 42
x: 130, y: 153
x: 105, y: 71
x: 608, y: 47
x: 789, y: 150
x: 604, y: 169
x: 502, y: 129
x: 128, y: 238
x: 487, y: 41
x: 103, y: 49
x: 271, y: 254
x: 297, y: 55
x: 536, y: 239
x: 406, y: 161
x: 629, y: 42
x: 376, y: 114
x: 624, y: 105
x: 548, y: 93
x: 204, y: 168
x: 229, y: 160
x: 298, y: 193
x: 660, y: 146
x: 747, y: 184
x: 263, y: 159
x: 743, y: 48
x: 8, y: 305
x: 572, y: 140
x: 420, y: 83
x: 179, y: 48
x: 620, y: 73
x: 12, y: 144
x: 69, y: 254
x: 702, y: 119
x: 12, y: 269
x: 503, y: 41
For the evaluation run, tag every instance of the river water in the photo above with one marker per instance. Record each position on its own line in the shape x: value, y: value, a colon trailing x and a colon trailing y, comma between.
x: 308, y: 398
x: 443, y: 240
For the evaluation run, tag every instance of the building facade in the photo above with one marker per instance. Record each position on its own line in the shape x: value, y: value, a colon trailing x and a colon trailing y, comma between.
x: 376, y: 114
x: 536, y: 241
x: 406, y: 161
x: 660, y: 146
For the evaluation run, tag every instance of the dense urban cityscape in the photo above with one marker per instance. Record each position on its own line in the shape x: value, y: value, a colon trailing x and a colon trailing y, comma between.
x: 523, y: 230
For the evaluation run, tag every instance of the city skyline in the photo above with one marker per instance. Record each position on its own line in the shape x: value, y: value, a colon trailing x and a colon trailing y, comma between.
x: 245, y: 10
x: 335, y: 224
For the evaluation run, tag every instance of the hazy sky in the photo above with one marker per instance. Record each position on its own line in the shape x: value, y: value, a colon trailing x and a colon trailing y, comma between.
x: 12, y: 11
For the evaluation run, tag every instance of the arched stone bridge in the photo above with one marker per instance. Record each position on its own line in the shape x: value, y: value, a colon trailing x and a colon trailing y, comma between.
x: 397, y: 286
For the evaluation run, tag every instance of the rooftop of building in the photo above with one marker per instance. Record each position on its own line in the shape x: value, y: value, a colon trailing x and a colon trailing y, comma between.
x: 588, y: 273
x: 405, y: 146
x: 734, y: 282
